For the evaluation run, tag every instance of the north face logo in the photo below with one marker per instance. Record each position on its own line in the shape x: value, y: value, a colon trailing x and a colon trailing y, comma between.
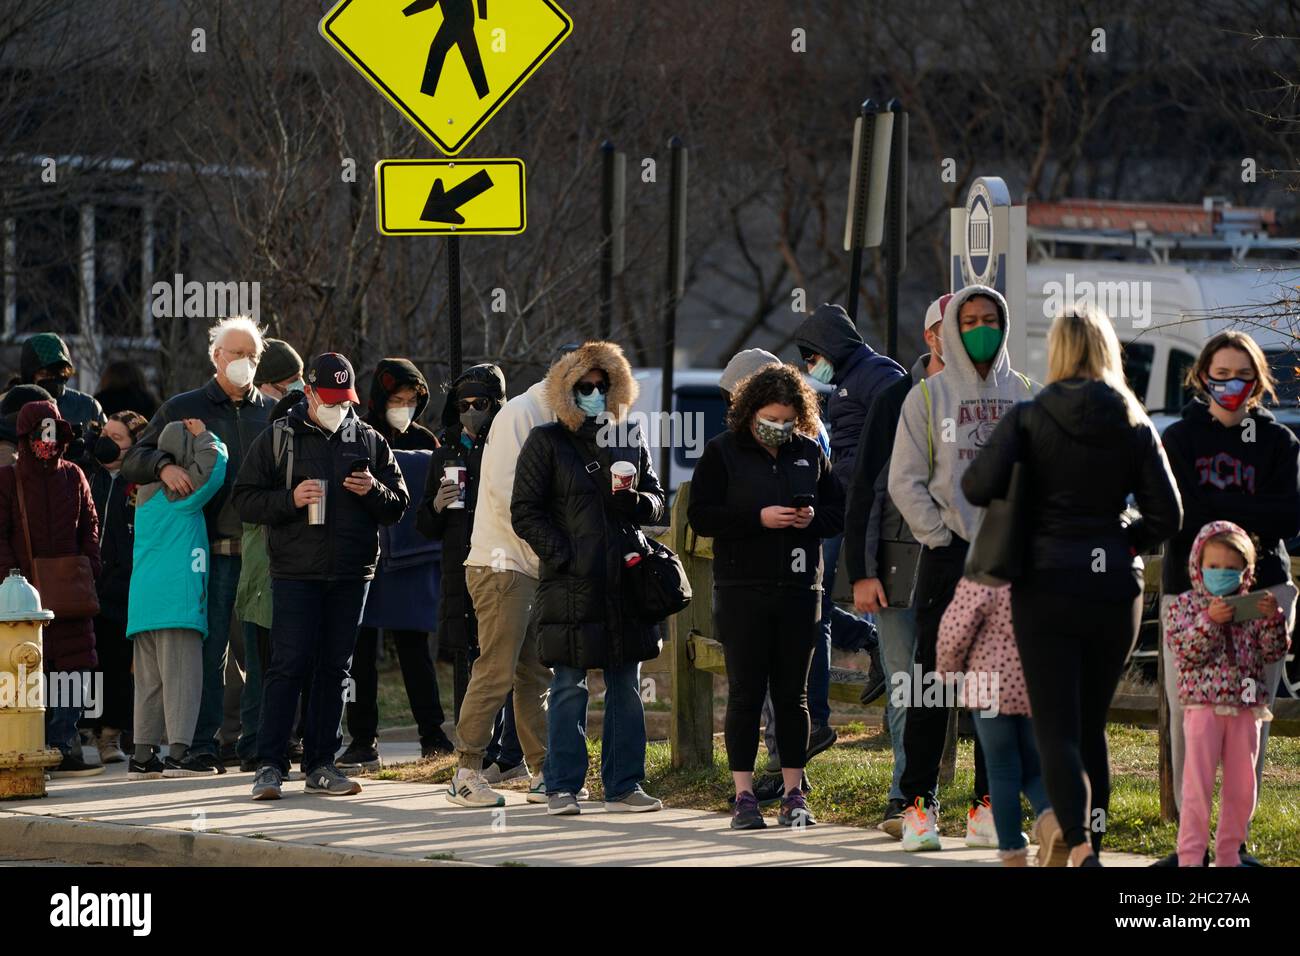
x: 843, y: 393
x: 803, y: 462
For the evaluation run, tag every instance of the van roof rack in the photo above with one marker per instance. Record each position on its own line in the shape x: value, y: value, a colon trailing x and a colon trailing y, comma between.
x: 1158, y: 229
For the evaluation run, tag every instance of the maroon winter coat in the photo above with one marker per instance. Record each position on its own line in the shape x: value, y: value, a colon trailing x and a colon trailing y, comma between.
x: 62, y: 519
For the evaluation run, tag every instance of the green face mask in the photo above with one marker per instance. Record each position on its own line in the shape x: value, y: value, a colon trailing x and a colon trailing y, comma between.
x: 982, y: 342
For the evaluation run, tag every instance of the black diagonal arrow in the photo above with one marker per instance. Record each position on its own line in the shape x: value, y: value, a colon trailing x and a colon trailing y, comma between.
x: 442, y: 204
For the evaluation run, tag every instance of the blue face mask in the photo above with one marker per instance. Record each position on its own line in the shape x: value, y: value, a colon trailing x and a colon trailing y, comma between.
x: 1221, y: 581
x: 591, y: 405
x: 822, y: 371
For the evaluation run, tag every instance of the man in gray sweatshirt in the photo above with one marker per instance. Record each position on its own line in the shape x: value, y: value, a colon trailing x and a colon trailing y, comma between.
x: 946, y: 419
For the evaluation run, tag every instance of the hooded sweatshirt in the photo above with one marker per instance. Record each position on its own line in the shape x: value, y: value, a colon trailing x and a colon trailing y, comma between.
x: 939, y: 438
x: 393, y: 375
x: 1221, y: 665
x: 1249, y: 475
x: 168, y: 583
x: 494, y: 543
x: 860, y: 374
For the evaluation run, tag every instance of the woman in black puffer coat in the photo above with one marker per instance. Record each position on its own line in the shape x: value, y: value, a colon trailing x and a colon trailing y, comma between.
x: 563, y: 506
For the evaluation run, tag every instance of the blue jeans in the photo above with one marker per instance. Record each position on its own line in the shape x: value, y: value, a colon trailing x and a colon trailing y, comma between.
x: 622, y: 748
x: 505, y: 748
x: 1011, y: 760
x: 223, y: 580
x: 313, y: 629
x: 897, y: 629
x: 61, y: 722
x: 250, y: 698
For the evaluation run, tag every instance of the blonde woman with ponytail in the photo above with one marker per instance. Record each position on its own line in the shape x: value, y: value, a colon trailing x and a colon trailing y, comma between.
x: 1086, y: 446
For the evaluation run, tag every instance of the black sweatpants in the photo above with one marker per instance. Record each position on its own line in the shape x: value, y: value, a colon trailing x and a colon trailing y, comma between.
x: 115, y: 653
x: 1073, y: 651
x: 926, y: 728
x: 768, y: 636
x: 417, y: 674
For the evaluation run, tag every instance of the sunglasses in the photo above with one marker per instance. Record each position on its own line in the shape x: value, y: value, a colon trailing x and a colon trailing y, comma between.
x: 586, y: 388
x: 806, y: 356
x: 478, y: 404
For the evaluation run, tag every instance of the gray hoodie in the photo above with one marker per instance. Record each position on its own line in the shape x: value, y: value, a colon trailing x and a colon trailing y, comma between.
x: 198, y: 456
x: 963, y: 410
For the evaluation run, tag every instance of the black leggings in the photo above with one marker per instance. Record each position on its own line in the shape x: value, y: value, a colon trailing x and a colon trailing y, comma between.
x: 417, y: 674
x: 1073, y: 651
x: 768, y: 638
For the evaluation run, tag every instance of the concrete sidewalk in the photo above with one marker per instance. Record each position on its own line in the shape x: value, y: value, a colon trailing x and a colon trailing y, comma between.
x: 414, y: 822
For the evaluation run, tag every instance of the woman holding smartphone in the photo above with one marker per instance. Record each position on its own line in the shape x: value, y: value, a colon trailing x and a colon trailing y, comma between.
x: 764, y: 492
x: 1233, y: 462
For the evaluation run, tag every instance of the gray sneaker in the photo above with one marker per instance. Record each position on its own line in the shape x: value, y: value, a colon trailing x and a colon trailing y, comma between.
x: 562, y: 805
x: 266, y: 785
x: 494, y: 773
x: 328, y: 780
x: 638, y: 801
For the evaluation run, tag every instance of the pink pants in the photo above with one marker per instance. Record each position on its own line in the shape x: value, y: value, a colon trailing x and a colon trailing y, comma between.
x: 1214, y: 740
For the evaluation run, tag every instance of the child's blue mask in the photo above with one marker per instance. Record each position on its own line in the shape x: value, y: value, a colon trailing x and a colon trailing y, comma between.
x: 1221, y: 581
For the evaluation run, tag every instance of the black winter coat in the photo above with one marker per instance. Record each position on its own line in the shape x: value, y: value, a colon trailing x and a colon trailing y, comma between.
x: 1083, y: 460
x: 737, y: 478
x: 346, y: 546
x: 567, y: 514
x: 116, y: 538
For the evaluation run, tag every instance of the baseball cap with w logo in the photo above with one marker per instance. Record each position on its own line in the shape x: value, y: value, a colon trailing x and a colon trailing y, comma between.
x: 332, y: 376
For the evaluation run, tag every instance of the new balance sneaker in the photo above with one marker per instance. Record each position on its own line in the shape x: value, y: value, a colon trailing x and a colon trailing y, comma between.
x: 794, y: 811
x: 920, y: 827
x: 638, y: 801
x: 747, y: 815
x: 360, y: 757
x: 562, y: 805
x: 110, y: 746
x: 893, y: 821
x: 1052, y: 849
x: 537, y: 789
x: 469, y: 789
x: 151, y: 769
x: 980, y: 831
x: 495, y: 773
x: 328, y: 780
x: 191, y: 765
x: 74, y: 766
x: 267, y: 783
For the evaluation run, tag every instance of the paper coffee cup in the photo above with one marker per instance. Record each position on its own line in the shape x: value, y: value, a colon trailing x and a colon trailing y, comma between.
x: 622, y: 475
x: 458, y: 474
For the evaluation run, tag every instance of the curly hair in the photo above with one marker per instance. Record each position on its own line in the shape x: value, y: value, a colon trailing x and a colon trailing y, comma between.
x: 774, y: 384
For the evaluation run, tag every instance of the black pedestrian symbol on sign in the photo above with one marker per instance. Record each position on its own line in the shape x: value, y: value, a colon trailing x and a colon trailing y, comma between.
x: 457, y: 30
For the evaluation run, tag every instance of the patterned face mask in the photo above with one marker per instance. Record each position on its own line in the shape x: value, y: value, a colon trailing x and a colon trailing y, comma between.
x: 772, y: 434
x: 45, y: 450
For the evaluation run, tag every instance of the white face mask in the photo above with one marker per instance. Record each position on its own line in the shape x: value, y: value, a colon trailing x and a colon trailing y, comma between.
x: 240, y: 372
x: 400, y: 418
x: 331, y: 416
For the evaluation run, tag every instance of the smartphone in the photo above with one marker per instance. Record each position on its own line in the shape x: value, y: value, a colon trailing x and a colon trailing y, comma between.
x: 803, y: 501
x: 359, y: 464
x: 1244, y: 606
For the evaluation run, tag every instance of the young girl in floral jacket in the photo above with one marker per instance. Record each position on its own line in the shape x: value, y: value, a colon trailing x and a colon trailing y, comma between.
x: 1221, y: 661
x: 977, y: 652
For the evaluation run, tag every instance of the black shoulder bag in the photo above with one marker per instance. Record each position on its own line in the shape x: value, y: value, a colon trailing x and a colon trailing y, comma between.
x: 997, y: 555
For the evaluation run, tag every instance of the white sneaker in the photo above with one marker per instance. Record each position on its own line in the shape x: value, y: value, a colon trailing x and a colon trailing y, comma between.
x: 469, y: 789
x: 980, y: 831
x: 920, y: 828
x: 536, y: 789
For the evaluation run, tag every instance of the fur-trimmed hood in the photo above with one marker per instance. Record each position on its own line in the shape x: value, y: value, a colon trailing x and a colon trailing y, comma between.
x: 564, y: 374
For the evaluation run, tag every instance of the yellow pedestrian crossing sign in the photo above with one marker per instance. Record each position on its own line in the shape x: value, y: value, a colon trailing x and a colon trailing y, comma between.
x: 451, y: 197
x: 448, y: 65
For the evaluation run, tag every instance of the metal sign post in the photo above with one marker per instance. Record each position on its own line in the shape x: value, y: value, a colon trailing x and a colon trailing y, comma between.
x: 864, y: 221
x: 988, y: 240
x: 613, y: 192
x: 675, y: 289
x: 895, y: 225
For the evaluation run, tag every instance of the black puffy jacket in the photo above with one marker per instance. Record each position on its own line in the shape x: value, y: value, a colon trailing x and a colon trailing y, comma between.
x: 565, y: 513
x: 346, y: 546
x: 1083, y: 460
x: 457, y: 626
x: 116, y: 538
x: 735, y: 479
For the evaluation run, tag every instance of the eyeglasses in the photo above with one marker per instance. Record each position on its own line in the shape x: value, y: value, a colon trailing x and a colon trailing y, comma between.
x: 478, y: 404
x: 586, y: 388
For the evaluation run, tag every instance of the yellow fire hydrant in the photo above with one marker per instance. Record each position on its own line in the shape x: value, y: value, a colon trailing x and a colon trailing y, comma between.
x: 23, y: 754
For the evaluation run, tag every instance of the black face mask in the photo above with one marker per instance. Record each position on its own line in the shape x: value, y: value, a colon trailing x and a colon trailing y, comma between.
x: 54, y: 386
x: 106, y: 450
x: 474, y: 419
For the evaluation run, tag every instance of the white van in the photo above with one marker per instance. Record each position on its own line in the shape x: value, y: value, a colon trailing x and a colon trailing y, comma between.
x: 700, y: 411
x: 1163, y: 314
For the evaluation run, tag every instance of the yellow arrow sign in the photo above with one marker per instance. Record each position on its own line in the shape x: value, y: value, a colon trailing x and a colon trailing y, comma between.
x: 435, y: 197
x: 448, y: 65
